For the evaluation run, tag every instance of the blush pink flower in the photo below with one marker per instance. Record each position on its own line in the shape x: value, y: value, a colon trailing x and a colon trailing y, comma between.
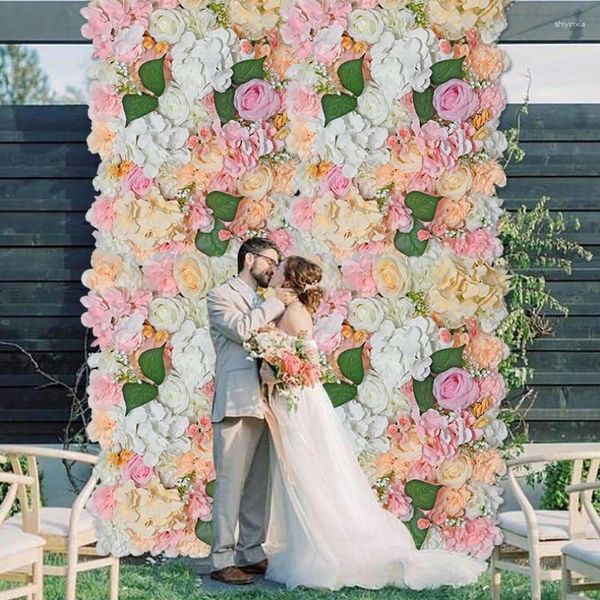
x: 136, y: 181
x: 200, y: 216
x: 336, y: 182
x: 166, y: 541
x: 398, y: 503
x: 200, y: 504
x: 102, y: 502
x: 455, y: 100
x: 137, y: 470
x: 301, y: 101
x: 256, y: 100
x: 399, y: 216
x: 303, y: 213
x: 455, y: 389
x: 290, y: 363
x: 103, y: 102
x: 283, y: 239
x: 477, y: 537
x: 200, y: 431
x: 101, y: 214
x: 492, y: 386
x: 103, y: 391
x: 480, y: 242
x: 334, y: 300
x: 358, y: 275
x: 493, y: 98
x: 158, y: 274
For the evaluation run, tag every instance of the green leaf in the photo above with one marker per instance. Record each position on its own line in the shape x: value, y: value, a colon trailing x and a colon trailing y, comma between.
x: 423, y: 205
x: 209, y: 243
x: 423, y: 494
x: 153, y: 365
x: 409, y: 243
x: 423, y: 391
x: 152, y: 75
x: 340, y: 393
x: 351, y: 76
x: 246, y: 70
x: 138, y: 105
x: 423, y: 102
x: 224, y: 105
x: 337, y: 105
x: 351, y: 364
x: 210, y: 488
x: 442, y: 360
x: 138, y: 394
x: 224, y: 206
x: 447, y: 69
x: 418, y: 535
x: 204, y: 531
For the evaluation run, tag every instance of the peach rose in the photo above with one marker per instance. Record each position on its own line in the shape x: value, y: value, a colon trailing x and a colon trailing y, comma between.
x: 193, y: 275
x: 452, y: 501
x: 409, y: 449
x: 486, y: 176
x: 455, y: 472
x: 455, y: 184
x: 392, y: 275
x: 256, y: 183
x: 105, y: 270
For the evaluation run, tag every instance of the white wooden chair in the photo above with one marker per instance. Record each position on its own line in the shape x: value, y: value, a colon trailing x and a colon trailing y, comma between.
x: 539, y: 534
x: 68, y: 531
x: 582, y: 557
x: 20, y: 548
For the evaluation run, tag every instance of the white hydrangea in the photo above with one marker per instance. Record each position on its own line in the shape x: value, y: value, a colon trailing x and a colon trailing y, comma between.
x: 166, y: 313
x: 398, y: 310
x: 151, y: 141
x: 485, y: 211
x: 112, y: 539
x: 485, y: 501
x: 193, y: 355
x: 106, y: 181
x: 399, y: 22
x: 151, y: 429
x: 496, y: 431
x: 200, y: 22
x: 366, y: 430
x: 347, y: 141
x: 199, y: 66
x: 195, y: 310
x: 399, y: 65
x: 404, y: 352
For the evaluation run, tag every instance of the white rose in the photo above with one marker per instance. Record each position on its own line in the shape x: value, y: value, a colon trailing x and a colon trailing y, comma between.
x: 174, y: 105
x: 373, y: 105
x: 365, y: 313
x: 194, y: 4
x: 495, y: 433
x: 174, y: 393
x: 166, y: 313
x: 365, y: 25
x: 166, y: 25
x: 373, y: 393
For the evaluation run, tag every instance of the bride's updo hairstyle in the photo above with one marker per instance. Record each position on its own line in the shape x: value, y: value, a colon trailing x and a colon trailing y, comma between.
x: 303, y: 276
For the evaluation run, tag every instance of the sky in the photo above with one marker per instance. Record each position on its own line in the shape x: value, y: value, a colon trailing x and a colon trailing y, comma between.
x: 570, y: 79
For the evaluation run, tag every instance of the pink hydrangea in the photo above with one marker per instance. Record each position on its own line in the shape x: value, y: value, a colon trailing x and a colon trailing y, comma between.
x: 477, y: 537
x: 101, y: 214
x: 102, y: 502
x: 302, y: 213
x: 479, y: 242
x: 399, y: 503
x: 103, y: 391
x: 283, y: 239
x: 358, y: 275
x: 200, y: 504
x: 158, y: 274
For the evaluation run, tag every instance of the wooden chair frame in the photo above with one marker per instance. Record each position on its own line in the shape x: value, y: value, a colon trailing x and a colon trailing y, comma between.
x: 74, y: 546
x: 530, y: 546
x: 31, y: 559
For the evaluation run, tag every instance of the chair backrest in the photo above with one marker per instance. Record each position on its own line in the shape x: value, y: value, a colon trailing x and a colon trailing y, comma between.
x: 16, y: 483
x: 29, y: 499
x: 578, y: 518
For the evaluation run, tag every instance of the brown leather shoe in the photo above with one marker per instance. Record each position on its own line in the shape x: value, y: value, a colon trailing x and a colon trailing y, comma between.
x: 232, y: 575
x: 259, y: 568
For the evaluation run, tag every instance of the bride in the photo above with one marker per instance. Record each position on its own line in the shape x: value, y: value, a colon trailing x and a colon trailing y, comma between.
x: 326, y: 527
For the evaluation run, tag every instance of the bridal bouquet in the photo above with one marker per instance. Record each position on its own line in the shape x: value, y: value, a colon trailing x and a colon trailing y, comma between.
x: 294, y: 363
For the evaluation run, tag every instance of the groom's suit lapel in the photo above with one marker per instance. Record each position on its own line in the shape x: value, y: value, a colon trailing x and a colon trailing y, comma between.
x: 241, y: 290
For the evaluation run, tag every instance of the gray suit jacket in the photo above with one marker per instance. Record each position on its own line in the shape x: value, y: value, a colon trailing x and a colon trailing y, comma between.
x: 231, y: 318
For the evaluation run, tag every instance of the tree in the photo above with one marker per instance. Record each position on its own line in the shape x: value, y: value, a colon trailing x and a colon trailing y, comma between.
x: 22, y: 79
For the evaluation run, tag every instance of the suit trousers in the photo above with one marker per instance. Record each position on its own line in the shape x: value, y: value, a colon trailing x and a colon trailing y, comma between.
x: 242, y: 490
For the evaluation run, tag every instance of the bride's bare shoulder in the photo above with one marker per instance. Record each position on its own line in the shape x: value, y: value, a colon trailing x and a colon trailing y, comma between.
x: 296, y: 318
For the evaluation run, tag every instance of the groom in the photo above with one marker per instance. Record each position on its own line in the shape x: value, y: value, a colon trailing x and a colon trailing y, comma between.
x: 240, y: 433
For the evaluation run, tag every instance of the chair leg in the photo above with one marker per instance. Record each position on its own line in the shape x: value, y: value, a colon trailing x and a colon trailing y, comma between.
x: 114, y: 580
x: 38, y: 577
x: 536, y: 573
x: 71, y: 583
x: 496, y: 574
x: 566, y: 582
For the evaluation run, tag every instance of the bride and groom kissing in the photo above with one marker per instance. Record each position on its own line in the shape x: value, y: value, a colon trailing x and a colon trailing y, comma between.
x: 288, y: 482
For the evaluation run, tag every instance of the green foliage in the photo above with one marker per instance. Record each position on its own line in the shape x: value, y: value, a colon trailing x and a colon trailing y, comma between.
x: 5, y: 467
x: 555, y: 477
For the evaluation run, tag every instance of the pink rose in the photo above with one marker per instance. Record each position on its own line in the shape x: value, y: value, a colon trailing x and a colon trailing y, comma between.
x: 455, y: 389
x: 290, y: 363
x: 336, y: 181
x: 398, y: 503
x: 136, y: 181
x: 455, y: 100
x: 137, y: 470
x: 102, y: 502
x: 256, y: 100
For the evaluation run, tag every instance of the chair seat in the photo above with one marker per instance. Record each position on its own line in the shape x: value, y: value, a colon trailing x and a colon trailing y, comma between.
x: 15, y: 540
x: 587, y: 551
x: 54, y: 520
x: 552, y: 524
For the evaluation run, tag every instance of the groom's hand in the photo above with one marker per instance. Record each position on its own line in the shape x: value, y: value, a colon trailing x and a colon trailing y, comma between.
x: 286, y: 295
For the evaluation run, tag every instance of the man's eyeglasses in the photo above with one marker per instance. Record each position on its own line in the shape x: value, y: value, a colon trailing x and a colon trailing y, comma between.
x: 273, y: 263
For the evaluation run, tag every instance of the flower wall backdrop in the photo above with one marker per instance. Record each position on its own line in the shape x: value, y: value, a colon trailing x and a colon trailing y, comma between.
x: 363, y: 131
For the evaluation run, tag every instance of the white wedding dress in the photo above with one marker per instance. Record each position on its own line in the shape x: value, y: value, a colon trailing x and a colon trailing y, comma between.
x: 326, y: 528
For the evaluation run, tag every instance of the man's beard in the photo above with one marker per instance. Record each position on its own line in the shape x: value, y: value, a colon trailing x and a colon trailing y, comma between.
x: 262, y: 279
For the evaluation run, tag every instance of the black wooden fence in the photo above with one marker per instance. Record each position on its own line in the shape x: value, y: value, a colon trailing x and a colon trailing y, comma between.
x: 45, y: 242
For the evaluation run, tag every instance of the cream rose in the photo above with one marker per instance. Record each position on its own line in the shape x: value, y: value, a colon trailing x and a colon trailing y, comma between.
x: 454, y: 473
x: 365, y: 25
x: 366, y: 314
x: 257, y: 183
x: 373, y: 393
x: 193, y: 275
x: 373, y: 105
x: 174, y: 105
x: 166, y: 25
x: 410, y: 449
x: 392, y: 275
x: 166, y: 313
x: 455, y: 184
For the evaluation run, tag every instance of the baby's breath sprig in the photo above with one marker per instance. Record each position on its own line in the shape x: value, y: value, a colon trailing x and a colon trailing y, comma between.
x: 383, y: 195
x: 126, y: 84
x: 126, y: 374
x: 184, y: 486
x: 219, y: 9
x: 184, y: 197
x: 325, y: 84
x: 418, y: 9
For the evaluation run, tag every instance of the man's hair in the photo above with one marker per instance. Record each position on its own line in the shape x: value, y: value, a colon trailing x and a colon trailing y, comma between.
x: 252, y: 246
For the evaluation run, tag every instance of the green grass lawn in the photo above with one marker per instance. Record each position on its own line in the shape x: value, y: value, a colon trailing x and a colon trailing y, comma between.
x: 176, y: 580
